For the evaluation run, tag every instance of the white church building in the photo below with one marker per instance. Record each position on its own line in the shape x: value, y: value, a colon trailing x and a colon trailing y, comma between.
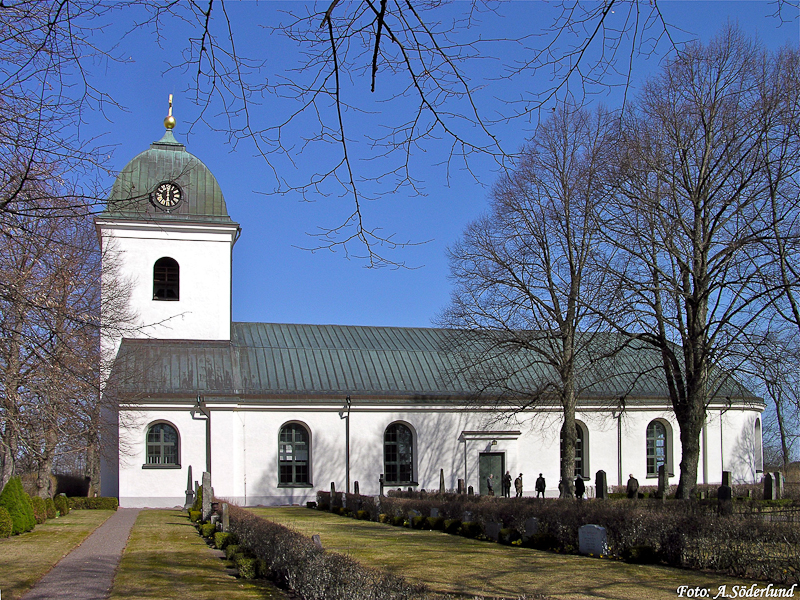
x: 279, y: 411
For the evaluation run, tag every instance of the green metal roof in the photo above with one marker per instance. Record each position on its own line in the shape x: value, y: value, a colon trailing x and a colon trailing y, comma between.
x: 167, y: 160
x: 265, y: 362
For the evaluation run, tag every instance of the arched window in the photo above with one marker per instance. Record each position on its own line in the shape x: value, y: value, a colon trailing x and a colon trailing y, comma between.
x: 398, y: 454
x: 294, y: 452
x: 657, y: 447
x: 166, y: 279
x: 163, y: 447
x: 758, y: 448
x: 581, y: 458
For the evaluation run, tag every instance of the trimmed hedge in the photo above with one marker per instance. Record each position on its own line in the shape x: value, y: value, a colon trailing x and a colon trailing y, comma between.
x: 293, y: 561
x: 223, y: 539
x: 62, y: 506
x: 97, y: 503
x: 6, y: 524
x: 19, y: 506
x: 39, y: 510
x: 51, y: 508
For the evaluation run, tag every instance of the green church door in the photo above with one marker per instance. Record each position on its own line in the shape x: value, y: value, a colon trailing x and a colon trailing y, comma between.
x: 491, y: 463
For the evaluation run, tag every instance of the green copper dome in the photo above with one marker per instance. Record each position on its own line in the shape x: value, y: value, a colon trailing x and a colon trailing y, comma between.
x: 167, y: 161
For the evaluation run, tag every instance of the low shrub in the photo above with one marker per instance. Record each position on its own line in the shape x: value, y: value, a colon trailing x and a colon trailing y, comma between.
x: 363, y: 515
x: 246, y: 565
x: 640, y: 555
x: 231, y: 550
x: 62, y: 506
x: 399, y: 521
x: 452, y: 526
x: 325, y: 507
x: 39, y: 510
x: 18, y: 505
x: 543, y: 541
x: 435, y: 523
x: 508, y: 536
x: 195, y: 515
x: 95, y: 503
x: 471, y: 529
x: 50, y: 506
x: 419, y: 522
x: 207, y: 530
x: 197, y: 505
x: 223, y: 539
x: 384, y: 518
x: 6, y: 524
x: 293, y: 561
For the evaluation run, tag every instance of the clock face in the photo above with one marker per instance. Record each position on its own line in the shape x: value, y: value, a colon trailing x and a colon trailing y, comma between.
x: 167, y: 195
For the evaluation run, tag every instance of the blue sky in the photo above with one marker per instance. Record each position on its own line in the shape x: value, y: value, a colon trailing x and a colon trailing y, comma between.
x: 275, y: 280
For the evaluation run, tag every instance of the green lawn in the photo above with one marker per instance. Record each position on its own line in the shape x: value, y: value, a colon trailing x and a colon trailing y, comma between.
x: 25, y: 558
x: 448, y: 563
x: 166, y: 558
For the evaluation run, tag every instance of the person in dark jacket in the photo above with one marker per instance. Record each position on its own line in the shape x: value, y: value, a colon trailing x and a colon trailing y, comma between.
x: 540, y: 486
x: 632, y: 488
x: 518, y: 485
x: 507, y: 485
x: 580, y: 487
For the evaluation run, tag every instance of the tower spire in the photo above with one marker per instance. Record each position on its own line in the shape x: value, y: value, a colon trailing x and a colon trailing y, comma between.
x: 169, y: 122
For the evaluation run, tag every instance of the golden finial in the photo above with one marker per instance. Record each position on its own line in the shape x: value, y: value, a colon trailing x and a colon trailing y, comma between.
x: 169, y: 122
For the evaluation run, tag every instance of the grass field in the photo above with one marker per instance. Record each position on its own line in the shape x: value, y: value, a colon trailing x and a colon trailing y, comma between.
x: 166, y: 558
x: 448, y: 563
x: 25, y: 558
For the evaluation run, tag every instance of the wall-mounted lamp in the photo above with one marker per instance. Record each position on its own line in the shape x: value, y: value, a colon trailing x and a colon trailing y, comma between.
x: 345, y: 414
x: 494, y: 442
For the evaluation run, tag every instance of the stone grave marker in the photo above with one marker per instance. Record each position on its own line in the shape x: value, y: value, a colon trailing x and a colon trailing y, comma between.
x: 317, y: 541
x: 531, y: 528
x: 355, y: 488
x: 592, y: 539
x: 727, y: 479
x: 601, y: 485
x: 770, y: 491
x: 333, y: 488
x: 492, y: 530
x: 778, y: 478
x: 189, y: 491
x: 466, y: 517
x: 725, y: 500
x: 441, y: 481
x: 434, y: 513
x: 470, y: 491
x: 207, y: 495
x: 226, y: 517
x: 663, y: 482
x: 461, y: 488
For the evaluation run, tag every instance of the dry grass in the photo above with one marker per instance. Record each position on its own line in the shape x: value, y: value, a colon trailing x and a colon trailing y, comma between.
x: 166, y: 558
x: 452, y: 564
x: 26, y: 558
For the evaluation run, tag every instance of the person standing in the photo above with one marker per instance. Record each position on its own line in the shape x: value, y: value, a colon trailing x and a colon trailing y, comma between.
x: 490, y: 485
x: 632, y: 488
x: 540, y: 486
x: 507, y: 485
x: 518, y: 486
x: 580, y: 487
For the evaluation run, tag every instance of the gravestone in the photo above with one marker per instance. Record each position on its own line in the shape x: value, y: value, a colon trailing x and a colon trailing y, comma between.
x: 355, y: 488
x: 725, y: 500
x: 461, y: 488
x: 592, y: 539
x: 778, y: 478
x: 770, y: 491
x: 601, y: 485
x: 189, y: 491
x: 434, y: 513
x: 344, y: 500
x: 381, y: 483
x: 226, y: 517
x: 703, y: 495
x: 466, y: 517
x: 333, y: 488
x: 531, y: 528
x: 441, y: 481
x: 317, y: 541
x: 470, y: 491
x: 663, y: 482
x: 207, y: 495
x: 492, y: 530
x: 727, y: 479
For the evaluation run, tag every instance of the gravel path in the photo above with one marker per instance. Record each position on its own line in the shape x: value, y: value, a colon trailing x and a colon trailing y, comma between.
x: 87, y: 572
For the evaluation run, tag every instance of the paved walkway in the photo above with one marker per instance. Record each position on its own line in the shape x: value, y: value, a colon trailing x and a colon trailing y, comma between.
x: 87, y: 572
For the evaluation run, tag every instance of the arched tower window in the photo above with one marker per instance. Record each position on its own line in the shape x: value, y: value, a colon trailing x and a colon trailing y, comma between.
x: 294, y: 453
x: 163, y: 448
x: 166, y: 279
x: 398, y: 454
x: 657, y: 447
x: 581, y: 458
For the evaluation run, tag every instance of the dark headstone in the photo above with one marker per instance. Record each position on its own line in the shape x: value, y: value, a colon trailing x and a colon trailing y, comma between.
x: 461, y: 488
x: 333, y: 488
x: 317, y: 541
x: 770, y: 489
x: 725, y: 500
x: 434, y: 513
x: 466, y: 517
x: 381, y: 483
x: 441, y: 481
x: 470, y: 491
x: 663, y: 482
x: 207, y: 495
x: 601, y: 485
x: 531, y: 528
x: 727, y: 478
x: 189, y: 491
x: 355, y: 488
x: 492, y: 530
x: 777, y: 476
